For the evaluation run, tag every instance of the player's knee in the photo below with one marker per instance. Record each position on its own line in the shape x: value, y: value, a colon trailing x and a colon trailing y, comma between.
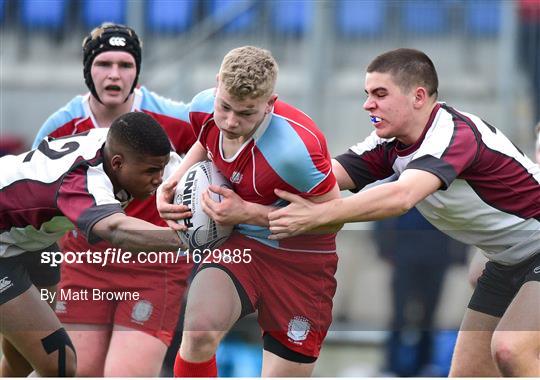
x: 204, y: 328
x: 201, y: 340
x: 505, y: 352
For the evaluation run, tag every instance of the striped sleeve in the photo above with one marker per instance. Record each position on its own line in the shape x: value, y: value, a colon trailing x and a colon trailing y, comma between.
x: 86, y: 197
x: 368, y: 161
x: 449, y: 148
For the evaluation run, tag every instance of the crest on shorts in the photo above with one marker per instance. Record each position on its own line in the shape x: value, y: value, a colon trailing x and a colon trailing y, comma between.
x: 141, y: 312
x: 298, y: 329
x: 60, y: 307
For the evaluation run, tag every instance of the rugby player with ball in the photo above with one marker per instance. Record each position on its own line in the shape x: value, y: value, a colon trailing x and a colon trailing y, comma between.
x: 258, y: 143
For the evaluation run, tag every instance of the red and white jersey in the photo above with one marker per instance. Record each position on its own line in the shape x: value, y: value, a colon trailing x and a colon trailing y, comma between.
x: 490, y: 196
x: 76, y: 117
x: 287, y: 151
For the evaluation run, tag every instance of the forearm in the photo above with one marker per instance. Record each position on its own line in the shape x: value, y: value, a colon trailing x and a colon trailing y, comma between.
x: 383, y: 201
x: 379, y: 202
x: 138, y: 235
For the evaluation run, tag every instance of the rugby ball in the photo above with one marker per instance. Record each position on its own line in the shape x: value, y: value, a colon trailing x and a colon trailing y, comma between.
x: 203, y: 232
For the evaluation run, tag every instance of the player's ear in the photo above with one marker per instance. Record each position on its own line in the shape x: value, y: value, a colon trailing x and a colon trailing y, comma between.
x: 116, y: 161
x: 270, y: 103
x: 420, y: 97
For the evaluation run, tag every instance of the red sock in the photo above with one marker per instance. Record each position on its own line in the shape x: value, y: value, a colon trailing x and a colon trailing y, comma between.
x: 183, y: 368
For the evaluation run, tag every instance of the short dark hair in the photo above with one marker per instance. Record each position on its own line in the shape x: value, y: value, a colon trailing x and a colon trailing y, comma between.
x: 409, y: 67
x: 140, y: 133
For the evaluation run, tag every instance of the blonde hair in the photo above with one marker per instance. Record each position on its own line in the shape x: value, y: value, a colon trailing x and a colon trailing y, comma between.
x: 248, y: 72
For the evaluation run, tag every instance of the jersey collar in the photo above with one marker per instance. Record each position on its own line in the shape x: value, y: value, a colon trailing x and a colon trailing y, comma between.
x: 137, y: 100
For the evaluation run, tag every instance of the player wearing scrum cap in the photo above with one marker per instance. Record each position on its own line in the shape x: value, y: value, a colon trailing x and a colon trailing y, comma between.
x: 127, y: 338
x: 81, y: 180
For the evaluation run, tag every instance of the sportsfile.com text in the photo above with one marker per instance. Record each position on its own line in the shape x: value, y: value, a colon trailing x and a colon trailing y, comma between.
x: 119, y: 256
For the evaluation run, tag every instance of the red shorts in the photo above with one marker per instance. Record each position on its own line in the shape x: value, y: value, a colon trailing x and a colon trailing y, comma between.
x: 291, y: 290
x: 155, y: 312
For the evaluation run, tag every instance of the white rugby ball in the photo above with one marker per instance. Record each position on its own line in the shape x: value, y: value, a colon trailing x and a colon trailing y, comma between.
x: 203, y: 232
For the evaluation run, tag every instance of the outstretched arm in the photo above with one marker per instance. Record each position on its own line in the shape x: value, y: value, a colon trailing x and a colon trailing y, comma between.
x: 136, y: 234
x: 386, y: 200
x: 234, y: 210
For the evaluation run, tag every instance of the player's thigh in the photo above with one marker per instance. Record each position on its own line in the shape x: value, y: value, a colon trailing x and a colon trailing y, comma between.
x: 30, y: 325
x: 472, y: 353
x: 91, y: 343
x: 523, y: 314
x: 275, y: 366
x: 213, y: 302
x: 134, y: 353
x: 518, y: 332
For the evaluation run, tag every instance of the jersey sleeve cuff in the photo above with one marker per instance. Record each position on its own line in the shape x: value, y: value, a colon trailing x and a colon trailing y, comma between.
x: 93, y: 215
x: 345, y: 160
x: 444, y: 171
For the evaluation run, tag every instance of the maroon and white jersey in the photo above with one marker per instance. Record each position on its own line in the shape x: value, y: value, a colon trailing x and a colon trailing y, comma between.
x: 490, y: 195
x: 62, y: 183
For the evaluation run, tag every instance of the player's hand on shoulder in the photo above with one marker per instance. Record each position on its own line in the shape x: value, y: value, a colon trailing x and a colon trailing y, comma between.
x: 230, y: 210
x: 168, y: 211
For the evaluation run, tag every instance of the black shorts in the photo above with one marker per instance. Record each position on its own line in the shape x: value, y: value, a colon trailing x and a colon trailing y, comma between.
x: 499, y: 284
x: 19, y: 272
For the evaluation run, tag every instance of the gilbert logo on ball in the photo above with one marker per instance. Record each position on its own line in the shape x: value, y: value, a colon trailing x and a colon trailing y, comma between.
x: 203, y: 232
